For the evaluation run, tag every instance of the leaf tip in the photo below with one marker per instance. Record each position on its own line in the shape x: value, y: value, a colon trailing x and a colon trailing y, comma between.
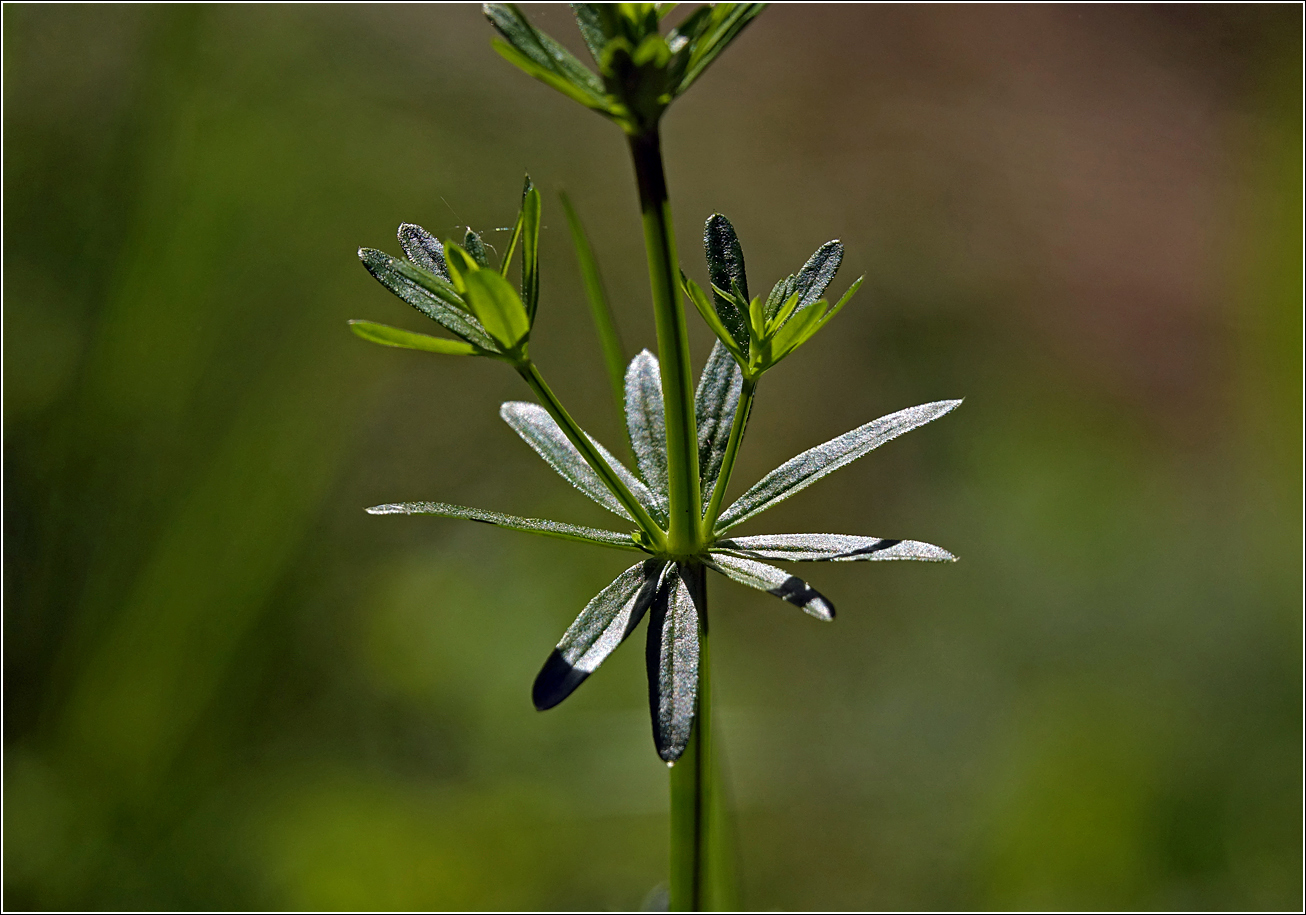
x: 556, y: 681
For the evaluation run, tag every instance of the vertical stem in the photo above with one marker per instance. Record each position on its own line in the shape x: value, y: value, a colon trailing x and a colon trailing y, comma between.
x: 742, y: 409
x: 673, y: 345
x: 692, y: 783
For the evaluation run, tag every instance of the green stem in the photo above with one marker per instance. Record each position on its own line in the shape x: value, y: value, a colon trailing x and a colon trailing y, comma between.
x: 692, y: 785
x: 673, y: 346
x: 742, y: 409
x: 577, y: 437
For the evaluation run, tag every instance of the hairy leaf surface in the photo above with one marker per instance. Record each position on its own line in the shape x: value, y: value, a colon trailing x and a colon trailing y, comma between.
x: 775, y: 581
x: 646, y: 420
x: 604, y: 624
x: 831, y: 548
x: 671, y: 655
x: 513, y: 522
x: 538, y: 429
x: 802, y: 471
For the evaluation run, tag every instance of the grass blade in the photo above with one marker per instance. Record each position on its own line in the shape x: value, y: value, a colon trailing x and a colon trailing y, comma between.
x: 614, y: 354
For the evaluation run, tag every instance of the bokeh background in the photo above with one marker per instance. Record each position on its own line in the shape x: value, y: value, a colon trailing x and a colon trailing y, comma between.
x: 225, y: 686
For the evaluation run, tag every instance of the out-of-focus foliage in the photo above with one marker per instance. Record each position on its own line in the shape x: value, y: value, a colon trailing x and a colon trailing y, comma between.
x: 226, y: 685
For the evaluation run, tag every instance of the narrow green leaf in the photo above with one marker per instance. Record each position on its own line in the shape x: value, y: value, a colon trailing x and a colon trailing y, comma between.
x: 713, y: 320
x: 852, y: 290
x: 429, y: 294
x: 795, y: 333
x: 727, y: 21
x: 775, y: 581
x: 499, y: 308
x: 460, y: 263
x: 530, y: 254
x: 540, y: 526
x: 590, y: 24
x: 779, y: 294
x: 756, y: 321
x: 605, y: 623
x: 406, y: 339
x: 506, y: 261
x: 783, y: 314
x: 614, y: 354
x: 691, y: 26
x: 550, y: 78
x: 544, y: 54
x: 802, y: 471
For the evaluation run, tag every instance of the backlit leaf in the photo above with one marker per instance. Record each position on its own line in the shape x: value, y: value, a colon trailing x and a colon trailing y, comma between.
x: 547, y: 528
x: 831, y: 548
x: 538, y: 429
x: 423, y: 249
x: 498, y: 306
x: 605, y: 623
x: 426, y: 292
x: 407, y: 339
x: 802, y: 471
x: 775, y: 581
x: 671, y: 655
x: 645, y: 420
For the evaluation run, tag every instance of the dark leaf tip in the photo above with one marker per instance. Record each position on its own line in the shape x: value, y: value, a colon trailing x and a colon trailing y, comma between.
x: 556, y: 681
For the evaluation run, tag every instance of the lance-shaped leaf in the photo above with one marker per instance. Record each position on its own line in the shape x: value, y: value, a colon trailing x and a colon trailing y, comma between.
x: 499, y: 308
x: 530, y: 252
x: 538, y: 429
x: 831, y: 548
x: 714, y: 412
x: 604, y: 624
x: 713, y: 320
x: 590, y: 23
x: 428, y: 293
x: 812, y: 280
x: 646, y: 421
x: 671, y: 655
x: 423, y: 249
x: 775, y: 581
x: 727, y: 21
x: 542, y: 526
x: 725, y: 267
x: 802, y: 471
x: 543, y: 58
x: 407, y: 339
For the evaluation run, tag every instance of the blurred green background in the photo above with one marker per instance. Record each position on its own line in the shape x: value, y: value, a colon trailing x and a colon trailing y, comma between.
x: 226, y: 686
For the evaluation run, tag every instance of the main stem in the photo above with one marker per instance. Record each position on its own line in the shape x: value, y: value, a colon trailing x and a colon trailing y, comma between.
x: 692, y: 787
x: 673, y: 346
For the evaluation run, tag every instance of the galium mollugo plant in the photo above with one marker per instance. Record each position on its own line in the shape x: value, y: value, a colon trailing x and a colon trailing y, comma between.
x: 684, y: 439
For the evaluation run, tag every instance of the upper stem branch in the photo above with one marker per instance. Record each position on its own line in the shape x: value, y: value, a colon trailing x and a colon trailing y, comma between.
x: 673, y: 346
